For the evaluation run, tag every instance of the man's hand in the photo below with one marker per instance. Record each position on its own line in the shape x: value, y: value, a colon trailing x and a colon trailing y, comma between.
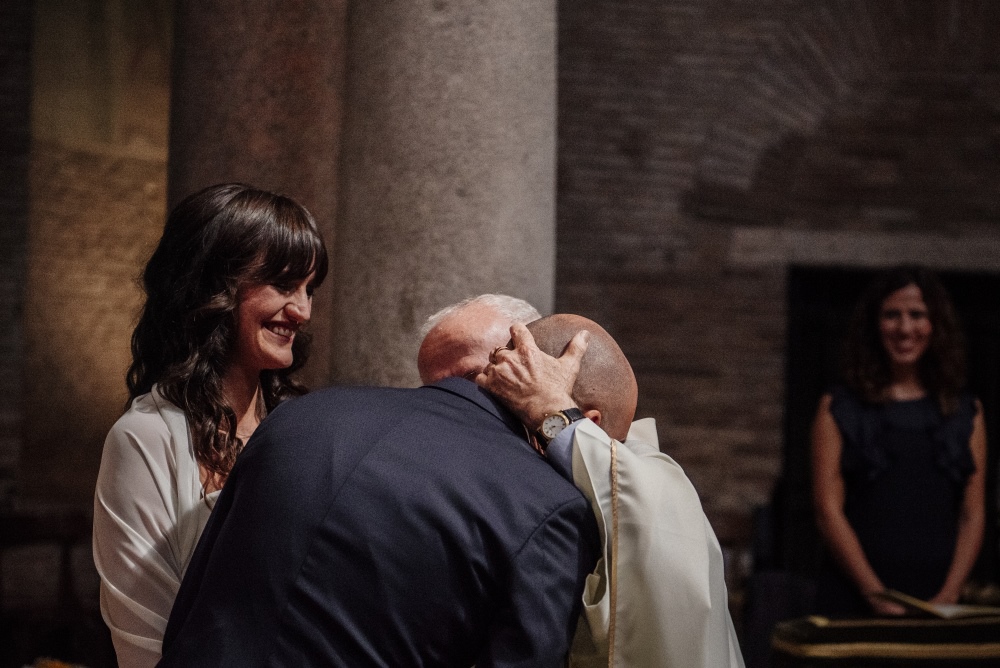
x: 531, y: 383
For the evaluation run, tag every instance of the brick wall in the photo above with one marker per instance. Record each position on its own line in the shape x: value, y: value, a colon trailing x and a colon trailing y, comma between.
x: 98, y: 181
x: 90, y: 97
x: 706, y: 146
x: 92, y: 231
x: 15, y: 106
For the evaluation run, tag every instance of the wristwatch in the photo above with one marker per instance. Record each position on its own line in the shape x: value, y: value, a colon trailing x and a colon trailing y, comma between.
x: 553, y: 423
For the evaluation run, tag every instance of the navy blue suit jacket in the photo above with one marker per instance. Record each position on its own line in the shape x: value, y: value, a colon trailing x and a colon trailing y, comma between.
x: 387, y: 527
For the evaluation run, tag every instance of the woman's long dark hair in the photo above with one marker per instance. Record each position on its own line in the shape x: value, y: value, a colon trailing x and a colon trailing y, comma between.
x: 215, y: 242
x: 942, y: 366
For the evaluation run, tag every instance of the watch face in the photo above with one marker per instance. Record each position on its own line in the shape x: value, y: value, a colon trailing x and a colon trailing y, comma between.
x: 553, y: 424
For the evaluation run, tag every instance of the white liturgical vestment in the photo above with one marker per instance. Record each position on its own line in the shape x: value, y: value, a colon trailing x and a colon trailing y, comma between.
x: 658, y: 597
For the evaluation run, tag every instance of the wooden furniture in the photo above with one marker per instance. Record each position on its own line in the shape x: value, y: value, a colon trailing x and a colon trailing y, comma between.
x: 814, y: 642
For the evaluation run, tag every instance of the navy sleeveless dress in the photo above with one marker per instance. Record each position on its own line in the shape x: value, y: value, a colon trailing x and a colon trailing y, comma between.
x: 905, y: 467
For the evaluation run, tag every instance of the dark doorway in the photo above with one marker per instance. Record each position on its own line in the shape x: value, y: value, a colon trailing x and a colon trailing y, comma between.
x: 820, y: 302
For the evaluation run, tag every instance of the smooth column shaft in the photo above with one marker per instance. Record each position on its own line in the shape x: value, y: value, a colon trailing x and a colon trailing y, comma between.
x: 447, y: 171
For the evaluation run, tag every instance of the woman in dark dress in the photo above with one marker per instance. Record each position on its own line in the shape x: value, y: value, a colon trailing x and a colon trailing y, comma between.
x: 899, y: 454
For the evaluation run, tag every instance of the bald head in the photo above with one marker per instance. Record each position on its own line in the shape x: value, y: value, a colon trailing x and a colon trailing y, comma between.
x: 606, y: 382
x: 458, y: 339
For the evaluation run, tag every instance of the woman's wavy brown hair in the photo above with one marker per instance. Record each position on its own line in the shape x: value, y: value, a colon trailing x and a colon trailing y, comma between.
x: 215, y: 242
x: 942, y: 367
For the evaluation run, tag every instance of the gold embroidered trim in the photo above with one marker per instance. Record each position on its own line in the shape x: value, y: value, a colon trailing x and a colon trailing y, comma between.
x: 614, y: 553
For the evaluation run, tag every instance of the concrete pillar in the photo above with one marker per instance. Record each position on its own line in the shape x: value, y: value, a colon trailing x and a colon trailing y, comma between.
x: 257, y: 98
x: 447, y: 171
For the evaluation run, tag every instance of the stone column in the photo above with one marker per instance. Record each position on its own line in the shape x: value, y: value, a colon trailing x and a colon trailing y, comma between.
x: 257, y: 98
x: 447, y: 171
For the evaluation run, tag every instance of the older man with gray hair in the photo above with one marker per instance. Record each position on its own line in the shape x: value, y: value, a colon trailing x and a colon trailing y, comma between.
x: 657, y: 598
x: 457, y: 340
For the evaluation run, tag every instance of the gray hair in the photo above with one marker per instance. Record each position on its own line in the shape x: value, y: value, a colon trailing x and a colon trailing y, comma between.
x: 516, y: 309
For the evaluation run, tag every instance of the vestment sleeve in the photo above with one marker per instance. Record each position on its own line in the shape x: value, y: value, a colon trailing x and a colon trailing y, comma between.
x: 661, y: 559
x: 138, y: 549
x: 536, y: 625
x: 560, y: 451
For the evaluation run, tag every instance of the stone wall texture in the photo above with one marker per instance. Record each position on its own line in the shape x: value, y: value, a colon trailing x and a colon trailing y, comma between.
x: 447, y: 172
x: 100, y: 96
x: 15, y: 108
x: 705, y: 146
x: 90, y: 141
x: 257, y: 97
x: 90, y: 237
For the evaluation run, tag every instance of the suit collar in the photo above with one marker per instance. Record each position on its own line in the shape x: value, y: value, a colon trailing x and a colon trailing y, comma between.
x: 477, y: 395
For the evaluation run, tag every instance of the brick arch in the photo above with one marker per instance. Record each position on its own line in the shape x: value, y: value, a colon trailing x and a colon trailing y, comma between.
x: 913, y: 153
x: 812, y: 64
x: 866, y: 116
x: 831, y: 57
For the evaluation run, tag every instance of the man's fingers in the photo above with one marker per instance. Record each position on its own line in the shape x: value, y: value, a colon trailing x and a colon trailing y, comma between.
x: 576, y: 347
x: 521, y: 337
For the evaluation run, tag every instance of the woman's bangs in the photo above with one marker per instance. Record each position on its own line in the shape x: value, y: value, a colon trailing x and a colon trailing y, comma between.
x: 294, y: 250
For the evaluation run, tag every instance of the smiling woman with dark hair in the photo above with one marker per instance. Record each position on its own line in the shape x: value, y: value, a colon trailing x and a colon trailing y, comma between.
x: 899, y: 454
x: 228, y: 289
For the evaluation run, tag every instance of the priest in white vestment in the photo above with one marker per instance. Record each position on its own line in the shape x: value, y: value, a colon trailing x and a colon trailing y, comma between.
x: 658, y: 598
